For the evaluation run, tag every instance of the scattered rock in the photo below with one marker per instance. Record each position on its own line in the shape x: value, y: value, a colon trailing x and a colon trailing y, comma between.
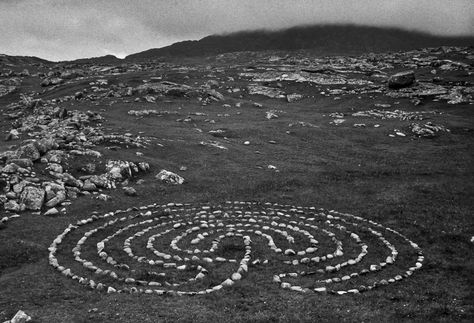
x: 427, y: 130
x: 266, y: 91
x: 395, y: 114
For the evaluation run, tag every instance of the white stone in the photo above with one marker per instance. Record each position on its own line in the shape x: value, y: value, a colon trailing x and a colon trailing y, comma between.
x: 20, y: 317
x: 227, y: 282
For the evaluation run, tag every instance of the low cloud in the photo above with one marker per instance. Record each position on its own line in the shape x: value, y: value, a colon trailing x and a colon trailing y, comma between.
x: 69, y: 29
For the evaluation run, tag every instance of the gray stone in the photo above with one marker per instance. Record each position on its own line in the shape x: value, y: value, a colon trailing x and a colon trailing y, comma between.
x: 12, y: 206
x: 216, y: 95
x: 169, y: 177
x: 11, y: 195
x: 56, y: 168
x: 58, y: 198
x: 32, y: 197
x: 130, y: 191
x: 29, y: 151
x: 20, y: 317
x: 46, y: 144
x: 70, y: 180
x: 52, y: 211
x: 89, y: 186
x: 18, y: 188
x: 10, y: 168
x: 402, y: 79
x: 99, y: 181
x: 22, y: 162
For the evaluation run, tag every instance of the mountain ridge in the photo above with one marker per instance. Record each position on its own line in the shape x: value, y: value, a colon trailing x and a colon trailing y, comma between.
x: 325, y: 38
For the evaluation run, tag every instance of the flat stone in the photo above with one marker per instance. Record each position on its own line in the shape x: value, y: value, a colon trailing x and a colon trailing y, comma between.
x: 52, y: 211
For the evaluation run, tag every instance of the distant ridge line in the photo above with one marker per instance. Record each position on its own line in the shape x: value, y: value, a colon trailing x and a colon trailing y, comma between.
x: 324, y: 38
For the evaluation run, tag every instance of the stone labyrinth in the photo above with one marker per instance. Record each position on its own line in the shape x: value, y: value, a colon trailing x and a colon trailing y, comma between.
x: 194, y: 249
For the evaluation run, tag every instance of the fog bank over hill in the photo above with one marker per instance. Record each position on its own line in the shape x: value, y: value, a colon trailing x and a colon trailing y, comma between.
x: 323, y: 39
x: 67, y: 29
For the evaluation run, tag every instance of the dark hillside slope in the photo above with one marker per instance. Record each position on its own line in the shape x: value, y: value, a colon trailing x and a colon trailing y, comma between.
x: 323, y: 38
x: 15, y: 61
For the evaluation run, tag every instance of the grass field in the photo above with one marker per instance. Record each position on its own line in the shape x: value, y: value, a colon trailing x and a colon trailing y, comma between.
x: 420, y: 187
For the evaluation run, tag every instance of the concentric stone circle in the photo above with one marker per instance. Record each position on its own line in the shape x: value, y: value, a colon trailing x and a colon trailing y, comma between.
x: 195, y: 249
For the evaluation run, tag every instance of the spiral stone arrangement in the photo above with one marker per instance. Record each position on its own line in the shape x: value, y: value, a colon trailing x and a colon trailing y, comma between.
x: 194, y: 249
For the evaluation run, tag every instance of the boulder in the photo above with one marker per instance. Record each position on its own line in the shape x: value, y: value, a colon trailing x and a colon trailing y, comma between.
x: 70, y: 180
x: 32, y: 197
x: 22, y: 162
x: 270, y: 92
x: 51, y: 81
x: 59, y: 197
x: 169, y: 177
x: 52, y: 211
x: 89, y: 186
x: 62, y: 114
x: 99, y: 181
x: 13, y: 135
x: 20, y: 317
x: 29, y: 151
x: 55, y: 156
x: 10, y: 168
x: 130, y: 191
x: 46, y: 144
x: 12, y: 206
x: 293, y: 97
x: 272, y: 114
x: 216, y: 95
x: 18, y: 188
x: 55, y: 168
x: 9, y: 154
x: 402, y: 79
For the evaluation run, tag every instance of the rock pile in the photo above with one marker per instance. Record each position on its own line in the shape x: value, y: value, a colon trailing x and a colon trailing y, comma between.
x: 395, y: 114
x: 64, y: 135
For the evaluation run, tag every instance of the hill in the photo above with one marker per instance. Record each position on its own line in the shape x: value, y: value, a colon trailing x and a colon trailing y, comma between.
x: 327, y: 39
x: 107, y: 59
x: 14, y: 61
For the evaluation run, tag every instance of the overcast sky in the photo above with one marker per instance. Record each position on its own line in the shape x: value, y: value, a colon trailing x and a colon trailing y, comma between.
x: 69, y: 29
